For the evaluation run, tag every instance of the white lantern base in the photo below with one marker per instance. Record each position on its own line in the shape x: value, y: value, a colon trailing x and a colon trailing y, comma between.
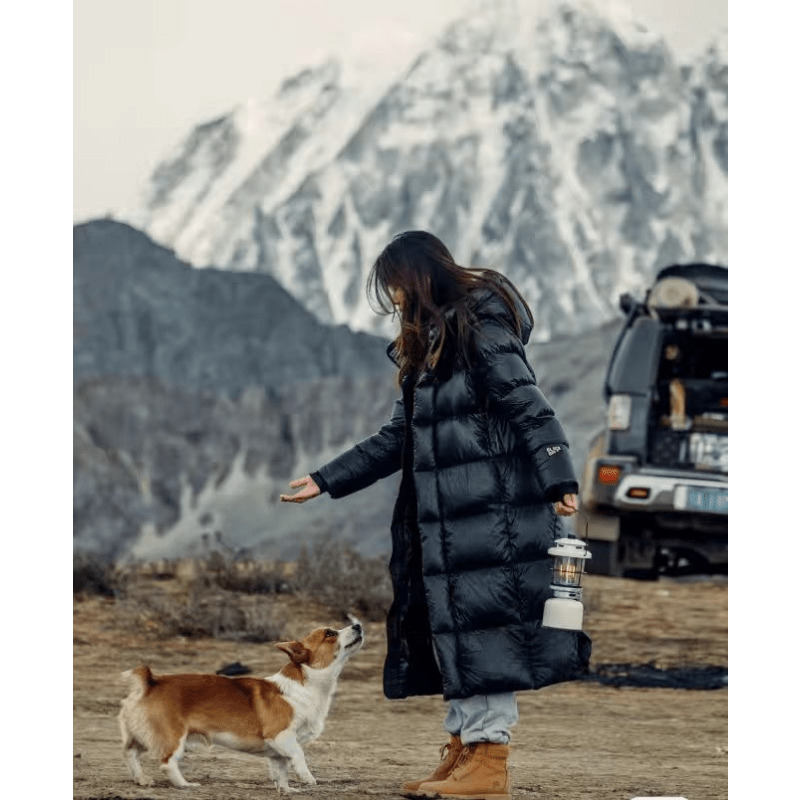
x: 559, y: 612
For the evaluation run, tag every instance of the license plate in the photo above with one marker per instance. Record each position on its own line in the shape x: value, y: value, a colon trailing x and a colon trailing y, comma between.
x: 694, y: 498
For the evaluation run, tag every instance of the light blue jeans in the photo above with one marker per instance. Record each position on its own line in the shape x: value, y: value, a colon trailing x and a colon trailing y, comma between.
x: 483, y: 718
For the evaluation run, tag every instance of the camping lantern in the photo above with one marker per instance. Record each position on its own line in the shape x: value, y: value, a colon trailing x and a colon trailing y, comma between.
x: 565, y: 609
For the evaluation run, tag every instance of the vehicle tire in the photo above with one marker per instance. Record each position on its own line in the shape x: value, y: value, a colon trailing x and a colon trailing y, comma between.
x: 638, y: 553
x: 641, y: 573
x: 605, y: 558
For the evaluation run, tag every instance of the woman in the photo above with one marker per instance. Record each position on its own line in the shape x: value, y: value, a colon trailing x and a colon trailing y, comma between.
x: 485, y: 472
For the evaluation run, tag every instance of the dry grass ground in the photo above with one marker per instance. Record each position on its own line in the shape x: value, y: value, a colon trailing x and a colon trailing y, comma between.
x: 575, y: 741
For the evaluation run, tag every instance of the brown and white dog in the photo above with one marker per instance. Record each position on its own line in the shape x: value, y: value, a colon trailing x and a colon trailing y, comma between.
x: 271, y: 717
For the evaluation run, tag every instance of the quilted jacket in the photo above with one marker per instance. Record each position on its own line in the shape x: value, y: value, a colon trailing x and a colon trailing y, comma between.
x: 483, y: 459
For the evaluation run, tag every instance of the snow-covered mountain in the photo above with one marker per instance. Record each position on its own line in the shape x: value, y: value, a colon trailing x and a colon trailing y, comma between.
x: 558, y: 143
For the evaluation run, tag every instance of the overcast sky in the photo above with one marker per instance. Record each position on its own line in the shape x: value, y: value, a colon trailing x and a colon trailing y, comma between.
x: 146, y: 71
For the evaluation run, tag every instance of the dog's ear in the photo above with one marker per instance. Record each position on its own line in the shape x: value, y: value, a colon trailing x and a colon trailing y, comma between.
x: 297, y: 651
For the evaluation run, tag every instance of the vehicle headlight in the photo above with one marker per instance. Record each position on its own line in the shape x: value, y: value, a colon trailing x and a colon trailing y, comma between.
x: 619, y: 412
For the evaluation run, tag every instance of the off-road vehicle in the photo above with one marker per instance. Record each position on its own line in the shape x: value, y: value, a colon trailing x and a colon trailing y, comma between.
x: 655, y: 483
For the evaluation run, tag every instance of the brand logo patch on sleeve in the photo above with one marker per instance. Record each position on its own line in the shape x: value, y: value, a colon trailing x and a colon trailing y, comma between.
x: 551, y: 451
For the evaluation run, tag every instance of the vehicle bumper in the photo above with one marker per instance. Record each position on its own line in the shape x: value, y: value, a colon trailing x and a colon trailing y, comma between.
x: 652, y: 490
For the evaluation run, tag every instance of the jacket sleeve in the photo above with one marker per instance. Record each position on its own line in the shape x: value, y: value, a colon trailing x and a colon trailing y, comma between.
x: 376, y: 457
x: 510, y: 388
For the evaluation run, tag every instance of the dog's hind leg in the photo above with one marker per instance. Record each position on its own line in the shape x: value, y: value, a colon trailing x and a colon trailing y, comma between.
x: 131, y: 748
x: 169, y: 763
x: 132, y: 757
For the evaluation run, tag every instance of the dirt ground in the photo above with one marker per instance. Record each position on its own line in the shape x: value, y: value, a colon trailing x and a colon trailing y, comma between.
x: 574, y: 741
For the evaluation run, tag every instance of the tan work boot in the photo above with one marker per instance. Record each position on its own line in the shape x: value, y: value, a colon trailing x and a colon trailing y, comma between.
x: 449, y: 754
x: 480, y: 774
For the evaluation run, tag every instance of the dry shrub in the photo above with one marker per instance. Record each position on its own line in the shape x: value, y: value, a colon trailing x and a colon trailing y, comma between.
x: 256, y: 578
x: 220, y: 595
x: 203, y: 610
x: 225, y: 596
x: 336, y: 575
x: 92, y: 576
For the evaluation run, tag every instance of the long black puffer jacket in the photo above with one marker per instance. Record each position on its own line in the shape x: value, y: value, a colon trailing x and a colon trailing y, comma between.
x: 483, y: 459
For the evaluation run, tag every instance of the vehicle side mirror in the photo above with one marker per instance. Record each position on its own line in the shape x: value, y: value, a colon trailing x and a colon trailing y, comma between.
x: 626, y: 303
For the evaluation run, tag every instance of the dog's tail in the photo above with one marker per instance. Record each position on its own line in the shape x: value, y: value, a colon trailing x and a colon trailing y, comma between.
x: 140, y: 678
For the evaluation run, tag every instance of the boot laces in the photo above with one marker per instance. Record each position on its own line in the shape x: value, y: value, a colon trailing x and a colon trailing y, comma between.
x: 463, y: 757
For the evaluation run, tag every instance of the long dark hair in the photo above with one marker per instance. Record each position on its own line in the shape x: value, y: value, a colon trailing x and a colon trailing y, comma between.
x: 437, y: 293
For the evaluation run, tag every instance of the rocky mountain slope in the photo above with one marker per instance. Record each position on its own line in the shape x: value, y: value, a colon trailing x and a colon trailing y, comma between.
x: 567, y: 148
x: 189, y: 380
x: 140, y: 312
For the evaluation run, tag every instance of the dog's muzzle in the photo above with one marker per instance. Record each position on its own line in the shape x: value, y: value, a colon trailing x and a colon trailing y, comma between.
x: 358, y: 633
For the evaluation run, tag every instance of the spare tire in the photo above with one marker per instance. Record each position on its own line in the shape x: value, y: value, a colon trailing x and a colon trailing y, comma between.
x: 673, y: 293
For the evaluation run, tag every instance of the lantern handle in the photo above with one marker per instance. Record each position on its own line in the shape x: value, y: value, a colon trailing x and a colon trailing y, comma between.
x: 586, y: 520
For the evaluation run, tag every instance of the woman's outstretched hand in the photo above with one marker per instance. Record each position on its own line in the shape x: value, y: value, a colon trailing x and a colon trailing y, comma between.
x: 309, y: 489
x: 567, y: 505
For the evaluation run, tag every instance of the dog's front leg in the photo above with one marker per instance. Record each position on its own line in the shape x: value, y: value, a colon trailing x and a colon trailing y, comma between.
x: 286, y: 744
x: 279, y: 772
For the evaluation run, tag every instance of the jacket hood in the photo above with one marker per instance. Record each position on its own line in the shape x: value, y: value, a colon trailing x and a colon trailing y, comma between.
x: 489, y: 305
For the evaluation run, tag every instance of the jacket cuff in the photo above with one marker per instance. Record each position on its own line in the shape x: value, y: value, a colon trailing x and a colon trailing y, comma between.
x: 557, y: 492
x: 320, y: 481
